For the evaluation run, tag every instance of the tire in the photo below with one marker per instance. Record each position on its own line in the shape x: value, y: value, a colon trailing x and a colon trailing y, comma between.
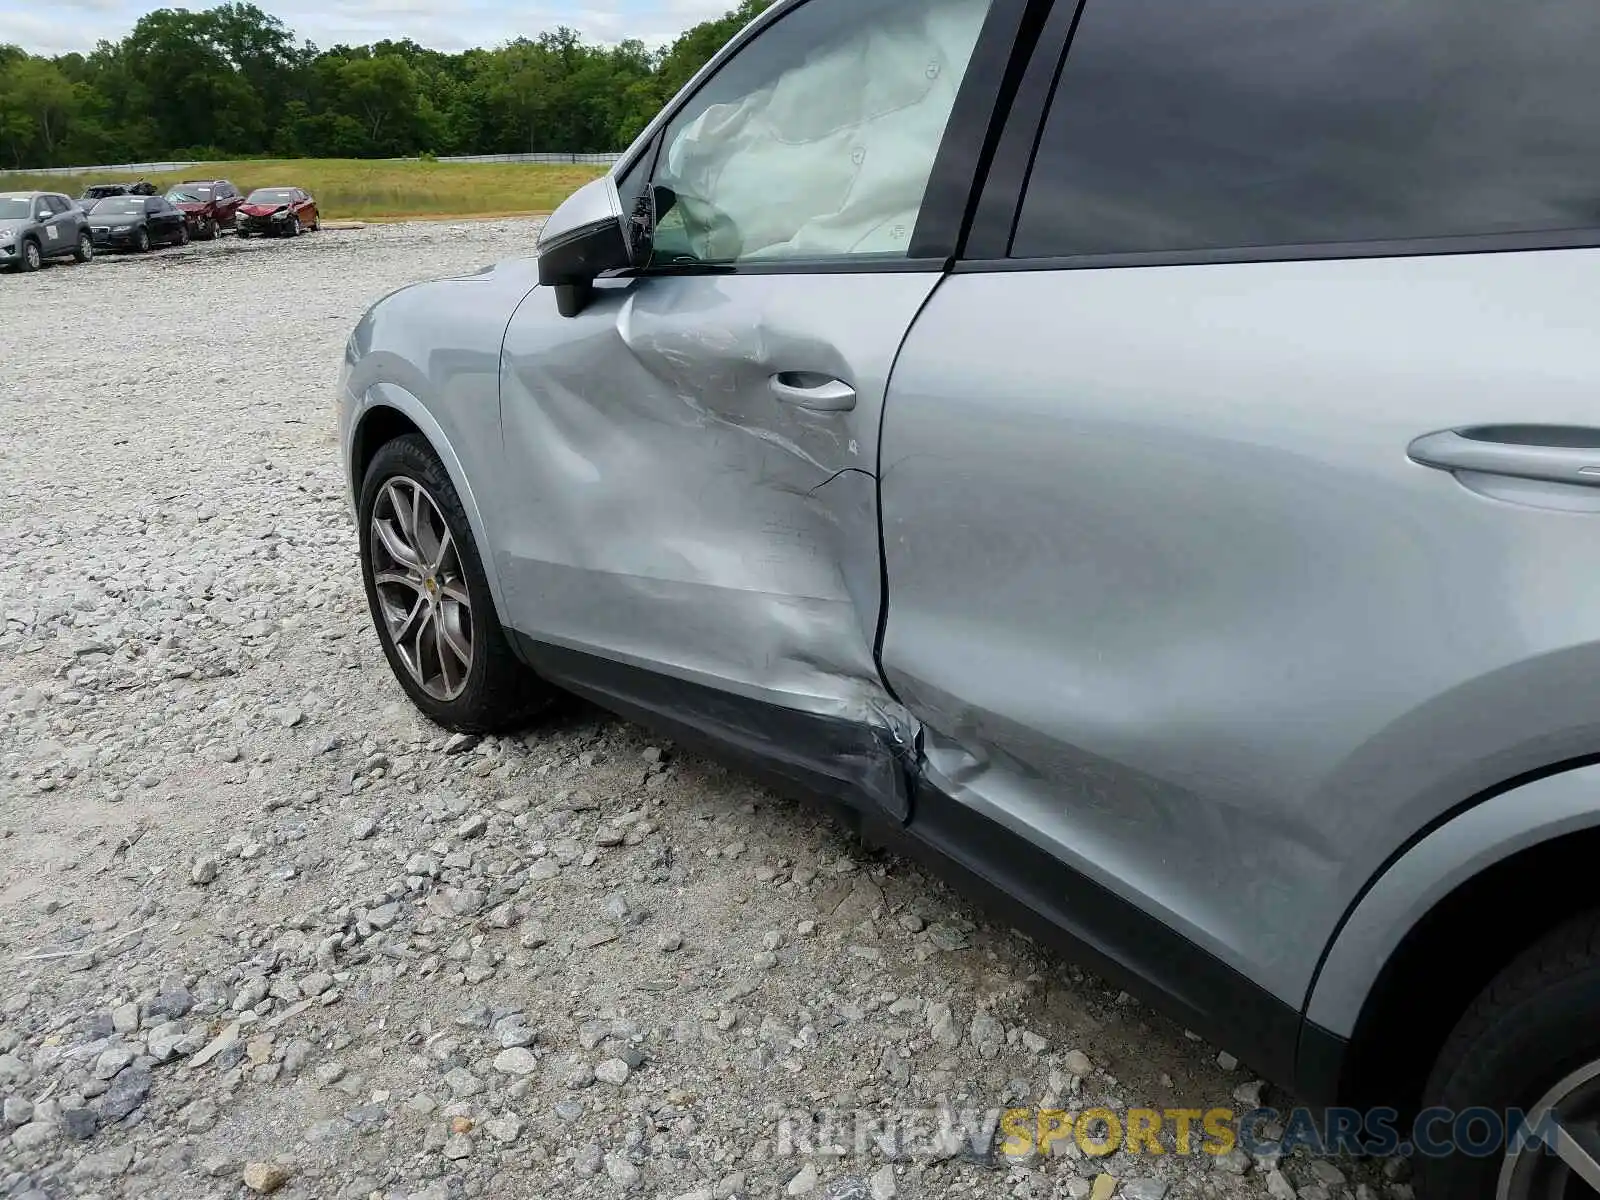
x: 240, y: 233
x: 316, y: 223
x: 291, y: 227
x: 32, y: 257
x: 183, y: 234
x: 496, y: 691
x: 208, y: 231
x: 141, y: 240
x: 85, y: 250
x: 1529, y: 1032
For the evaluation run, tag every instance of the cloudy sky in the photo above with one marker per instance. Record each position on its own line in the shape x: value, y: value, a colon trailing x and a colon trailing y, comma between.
x: 57, y: 26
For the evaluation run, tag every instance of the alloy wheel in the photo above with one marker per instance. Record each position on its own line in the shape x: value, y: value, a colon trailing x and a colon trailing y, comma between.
x: 1561, y: 1160
x: 421, y: 589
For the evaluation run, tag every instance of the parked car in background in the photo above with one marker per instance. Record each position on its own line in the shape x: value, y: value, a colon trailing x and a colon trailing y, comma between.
x: 210, y: 206
x: 1153, y: 474
x: 278, y: 211
x: 137, y: 223
x: 35, y: 226
x: 97, y: 192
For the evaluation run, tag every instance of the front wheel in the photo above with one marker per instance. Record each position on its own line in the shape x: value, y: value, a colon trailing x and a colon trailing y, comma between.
x: 183, y: 234
x: 141, y: 240
x: 430, y: 600
x: 1528, y: 1044
x: 316, y: 223
x: 85, y: 250
x: 32, y: 256
x: 292, y: 226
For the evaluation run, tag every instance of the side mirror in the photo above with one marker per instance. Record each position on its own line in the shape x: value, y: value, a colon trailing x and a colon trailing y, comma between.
x: 588, y: 236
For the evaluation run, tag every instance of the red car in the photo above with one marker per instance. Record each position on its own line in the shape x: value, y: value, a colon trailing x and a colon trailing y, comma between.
x: 284, y: 211
x: 209, y: 205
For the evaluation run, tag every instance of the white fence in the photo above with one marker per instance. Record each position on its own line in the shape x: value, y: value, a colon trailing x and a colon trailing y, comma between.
x: 596, y: 160
x: 157, y: 168
x: 112, y: 169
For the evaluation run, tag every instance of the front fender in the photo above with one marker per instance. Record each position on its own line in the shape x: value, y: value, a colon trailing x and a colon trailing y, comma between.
x: 431, y: 352
x: 1460, y: 849
x: 385, y: 394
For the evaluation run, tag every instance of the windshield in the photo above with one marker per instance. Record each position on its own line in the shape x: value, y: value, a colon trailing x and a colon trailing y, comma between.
x: 15, y: 208
x: 189, y: 195
x: 271, y: 196
x: 120, y: 204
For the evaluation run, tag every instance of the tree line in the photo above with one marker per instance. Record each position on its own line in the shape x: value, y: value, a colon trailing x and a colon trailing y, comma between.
x: 234, y: 82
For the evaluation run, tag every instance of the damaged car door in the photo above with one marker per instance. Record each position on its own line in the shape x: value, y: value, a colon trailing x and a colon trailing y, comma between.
x: 693, y: 455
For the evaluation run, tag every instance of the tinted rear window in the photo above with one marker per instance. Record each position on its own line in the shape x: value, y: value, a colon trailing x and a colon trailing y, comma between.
x: 1210, y: 124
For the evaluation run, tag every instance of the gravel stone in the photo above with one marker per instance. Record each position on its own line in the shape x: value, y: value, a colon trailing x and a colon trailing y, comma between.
x: 264, y: 1178
x: 517, y: 1061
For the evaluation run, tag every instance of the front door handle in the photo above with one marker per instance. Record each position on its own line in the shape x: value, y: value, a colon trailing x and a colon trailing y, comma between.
x: 820, y: 393
x: 1552, y: 453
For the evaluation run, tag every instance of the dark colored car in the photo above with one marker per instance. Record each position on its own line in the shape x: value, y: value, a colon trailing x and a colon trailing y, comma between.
x: 137, y: 223
x: 95, y: 193
x: 209, y: 205
x: 283, y: 211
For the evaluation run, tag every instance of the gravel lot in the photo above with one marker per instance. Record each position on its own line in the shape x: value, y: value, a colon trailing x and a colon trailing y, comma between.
x: 262, y: 928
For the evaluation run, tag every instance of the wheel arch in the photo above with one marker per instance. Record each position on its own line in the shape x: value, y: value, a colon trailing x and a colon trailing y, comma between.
x: 389, y: 411
x: 1443, y: 919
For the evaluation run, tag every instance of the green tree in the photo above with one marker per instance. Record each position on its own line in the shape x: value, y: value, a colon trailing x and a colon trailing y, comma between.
x: 381, y: 94
x: 696, y: 47
x: 37, y: 106
x: 234, y: 79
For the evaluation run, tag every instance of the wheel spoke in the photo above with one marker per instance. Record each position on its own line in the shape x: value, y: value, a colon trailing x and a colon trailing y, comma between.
x: 1579, y: 1147
x: 410, y: 626
x: 405, y: 513
x: 406, y: 634
x: 450, y: 589
x: 396, y: 579
x: 446, y: 656
x: 395, y: 544
x: 446, y: 544
x: 452, y: 637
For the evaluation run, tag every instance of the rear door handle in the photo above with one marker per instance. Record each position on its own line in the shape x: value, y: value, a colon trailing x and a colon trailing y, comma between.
x: 820, y: 393
x: 1551, y: 453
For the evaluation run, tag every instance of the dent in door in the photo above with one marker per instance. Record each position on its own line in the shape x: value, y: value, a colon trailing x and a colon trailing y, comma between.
x: 675, y: 515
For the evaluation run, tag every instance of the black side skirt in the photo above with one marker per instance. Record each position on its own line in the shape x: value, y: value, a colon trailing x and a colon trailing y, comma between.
x: 877, y: 780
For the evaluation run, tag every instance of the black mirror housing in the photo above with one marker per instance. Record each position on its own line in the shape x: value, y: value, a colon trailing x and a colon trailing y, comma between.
x: 572, y: 262
x: 588, y: 236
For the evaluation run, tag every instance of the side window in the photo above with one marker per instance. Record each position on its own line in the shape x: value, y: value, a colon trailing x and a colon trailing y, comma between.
x: 152, y: 206
x: 57, y: 204
x: 817, y: 139
x: 1213, y: 124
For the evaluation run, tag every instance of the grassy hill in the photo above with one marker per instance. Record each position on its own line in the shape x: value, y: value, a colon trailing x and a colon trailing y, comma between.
x: 371, y: 190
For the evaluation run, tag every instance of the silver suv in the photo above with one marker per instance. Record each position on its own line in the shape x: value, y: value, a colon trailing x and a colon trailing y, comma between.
x: 35, y: 226
x: 1140, y: 455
